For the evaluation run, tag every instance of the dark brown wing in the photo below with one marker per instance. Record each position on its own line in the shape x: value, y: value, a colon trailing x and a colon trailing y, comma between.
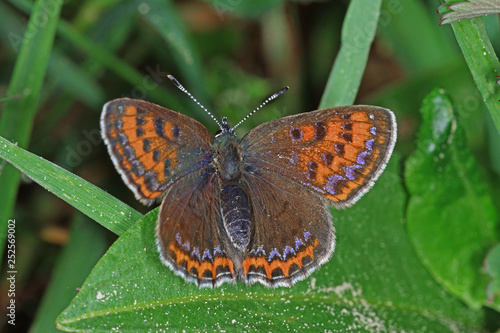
x: 337, y: 152
x: 292, y: 234
x: 152, y: 146
x: 188, y: 231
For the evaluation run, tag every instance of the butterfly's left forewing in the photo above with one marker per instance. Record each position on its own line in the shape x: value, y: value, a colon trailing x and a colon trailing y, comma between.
x: 337, y: 152
x: 152, y: 146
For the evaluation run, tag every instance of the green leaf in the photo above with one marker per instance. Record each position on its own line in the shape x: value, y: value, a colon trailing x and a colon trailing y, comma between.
x: 451, y: 216
x: 482, y: 62
x: 457, y: 11
x: 17, y: 116
x: 358, y: 31
x: 86, y: 245
x: 87, y: 198
x: 373, y: 283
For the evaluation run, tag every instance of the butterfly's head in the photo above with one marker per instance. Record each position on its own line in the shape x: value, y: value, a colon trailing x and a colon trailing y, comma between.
x: 225, y: 129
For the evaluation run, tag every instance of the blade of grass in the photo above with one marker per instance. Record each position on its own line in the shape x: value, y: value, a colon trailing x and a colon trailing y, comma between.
x: 17, y: 117
x: 482, y: 62
x: 358, y: 31
x: 86, y: 246
x: 411, y: 33
x: 113, y: 63
x: 163, y: 16
x: 87, y: 198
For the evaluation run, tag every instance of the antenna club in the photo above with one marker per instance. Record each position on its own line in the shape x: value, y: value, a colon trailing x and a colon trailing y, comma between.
x: 180, y: 87
x: 175, y: 82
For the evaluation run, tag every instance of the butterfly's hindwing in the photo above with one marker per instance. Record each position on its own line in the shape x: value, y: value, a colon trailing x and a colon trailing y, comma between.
x: 292, y: 232
x: 189, y: 231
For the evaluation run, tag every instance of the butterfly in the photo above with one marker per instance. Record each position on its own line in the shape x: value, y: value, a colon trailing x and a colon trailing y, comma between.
x: 256, y: 208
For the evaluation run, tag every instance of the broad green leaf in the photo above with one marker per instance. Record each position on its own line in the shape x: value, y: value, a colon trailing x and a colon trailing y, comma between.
x: 374, y: 282
x: 16, y: 118
x: 451, y: 216
x: 84, y: 248
x: 482, y: 62
x: 87, y: 198
x: 358, y: 31
x: 457, y: 11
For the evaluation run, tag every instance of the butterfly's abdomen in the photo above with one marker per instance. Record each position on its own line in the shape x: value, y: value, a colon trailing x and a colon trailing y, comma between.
x: 236, y: 215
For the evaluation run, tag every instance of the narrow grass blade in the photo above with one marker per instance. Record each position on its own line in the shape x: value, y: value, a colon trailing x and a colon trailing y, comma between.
x: 163, y: 16
x: 358, y: 31
x: 18, y: 114
x: 113, y: 63
x: 482, y: 62
x: 87, y: 198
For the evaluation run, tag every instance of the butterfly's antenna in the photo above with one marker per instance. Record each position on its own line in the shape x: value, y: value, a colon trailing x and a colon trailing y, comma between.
x: 269, y: 99
x: 178, y: 85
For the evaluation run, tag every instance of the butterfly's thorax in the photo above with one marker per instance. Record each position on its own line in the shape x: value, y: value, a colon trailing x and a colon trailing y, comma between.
x: 227, y: 157
x: 235, y: 206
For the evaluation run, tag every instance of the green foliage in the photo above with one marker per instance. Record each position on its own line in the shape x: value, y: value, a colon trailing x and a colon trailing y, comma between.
x: 420, y: 250
x: 451, y: 216
x: 129, y: 286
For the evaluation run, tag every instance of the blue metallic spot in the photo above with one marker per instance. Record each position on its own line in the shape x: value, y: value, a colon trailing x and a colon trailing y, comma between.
x: 288, y: 250
x: 260, y: 249
x: 369, y: 144
x: 119, y: 124
x: 373, y: 130
x: 361, y: 157
x: 206, y: 254
x: 151, y: 180
x: 137, y: 168
x: 298, y: 243
x: 332, y: 182
x: 371, y: 116
x: 307, y: 234
x: 274, y: 253
x: 350, y: 171
x: 123, y: 138
x: 186, y: 245
x: 196, y: 253
x: 178, y: 238
x: 217, y: 250
x: 130, y: 153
